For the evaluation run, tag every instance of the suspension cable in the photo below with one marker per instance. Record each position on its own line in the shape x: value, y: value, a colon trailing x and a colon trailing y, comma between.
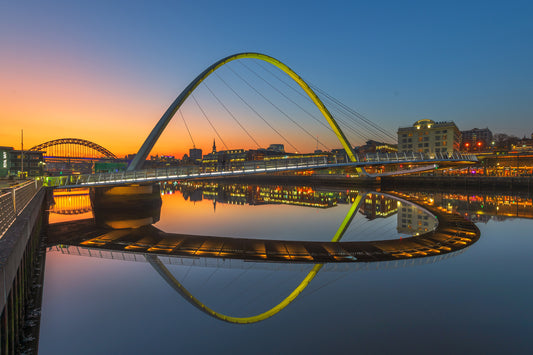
x: 337, y: 103
x: 355, y: 113
x: 276, y: 107
x: 232, y: 115
x: 289, y: 99
x: 257, y: 113
x: 187, y: 126
x: 345, y: 124
x: 208, y: 120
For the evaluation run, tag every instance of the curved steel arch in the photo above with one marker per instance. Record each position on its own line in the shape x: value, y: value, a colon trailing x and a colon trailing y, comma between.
x: 77, y: 141
x: 167, y: 116
x: 176, y: 285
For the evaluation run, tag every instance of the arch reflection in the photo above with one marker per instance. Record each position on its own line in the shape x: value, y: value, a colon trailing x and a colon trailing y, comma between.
x: 466, y: 228
x: 453, y: 233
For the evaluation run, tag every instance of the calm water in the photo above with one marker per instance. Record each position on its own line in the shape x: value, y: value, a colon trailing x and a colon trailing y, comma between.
x: 477, y: 300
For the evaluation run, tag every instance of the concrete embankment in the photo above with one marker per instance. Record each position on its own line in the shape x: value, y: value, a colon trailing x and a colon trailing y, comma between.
x: 21, y: 272
x: 522, y: 185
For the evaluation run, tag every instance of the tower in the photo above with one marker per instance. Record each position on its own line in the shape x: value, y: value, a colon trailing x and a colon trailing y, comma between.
x: 214, y: 146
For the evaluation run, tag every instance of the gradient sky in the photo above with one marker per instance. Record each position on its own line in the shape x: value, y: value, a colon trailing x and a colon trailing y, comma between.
x: 107, y: 70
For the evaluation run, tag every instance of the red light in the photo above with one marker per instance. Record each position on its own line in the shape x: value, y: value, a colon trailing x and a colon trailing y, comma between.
x: 467, y: 144
x: 479, y: 144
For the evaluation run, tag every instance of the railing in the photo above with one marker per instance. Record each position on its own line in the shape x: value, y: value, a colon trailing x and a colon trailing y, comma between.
x: 243, y: 168
x: 412, y: 156
x: 14, y: 200
x: 238, y: 168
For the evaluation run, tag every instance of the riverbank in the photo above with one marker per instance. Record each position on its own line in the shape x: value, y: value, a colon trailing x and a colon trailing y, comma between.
x: 522, y: 184
x: 387, y: 183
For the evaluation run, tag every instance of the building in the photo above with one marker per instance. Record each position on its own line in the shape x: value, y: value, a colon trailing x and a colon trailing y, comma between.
x: 430, y: 137
x: 12, y: 162
x: 378, y: 206
x: 279, y: 148
x: 195, y: 154
x: 413, y: 220
x: 373, y: 146
x: 476, y: 139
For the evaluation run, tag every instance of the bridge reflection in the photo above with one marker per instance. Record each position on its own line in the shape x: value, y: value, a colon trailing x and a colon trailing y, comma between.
x: 453, y: 233
x: 68, y: 202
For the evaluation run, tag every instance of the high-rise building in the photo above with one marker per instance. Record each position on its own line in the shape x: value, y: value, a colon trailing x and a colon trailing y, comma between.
x: 430, y: 137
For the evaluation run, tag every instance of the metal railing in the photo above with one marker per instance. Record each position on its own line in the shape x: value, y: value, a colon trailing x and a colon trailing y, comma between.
x: 186, y: 172
x: 412, y: 156
x: 243, y: 168
x: 13, y: 200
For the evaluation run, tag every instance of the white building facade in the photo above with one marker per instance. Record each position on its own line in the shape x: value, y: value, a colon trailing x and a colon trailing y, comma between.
x: 430, y: 137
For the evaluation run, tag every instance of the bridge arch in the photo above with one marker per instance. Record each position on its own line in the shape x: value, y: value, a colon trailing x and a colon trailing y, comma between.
x: 150, y: 141
x: 74, y: 142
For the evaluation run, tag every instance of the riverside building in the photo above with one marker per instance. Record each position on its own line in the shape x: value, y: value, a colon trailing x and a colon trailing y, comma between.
x: 429, y: 137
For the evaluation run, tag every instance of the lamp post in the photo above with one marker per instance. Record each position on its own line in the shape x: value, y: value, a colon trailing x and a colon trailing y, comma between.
x: 22, y: 153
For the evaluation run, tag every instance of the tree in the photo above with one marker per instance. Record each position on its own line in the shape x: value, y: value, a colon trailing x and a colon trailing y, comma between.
x: 504, y: 141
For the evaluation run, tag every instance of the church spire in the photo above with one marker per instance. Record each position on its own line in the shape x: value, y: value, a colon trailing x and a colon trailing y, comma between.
x: 214, y: 146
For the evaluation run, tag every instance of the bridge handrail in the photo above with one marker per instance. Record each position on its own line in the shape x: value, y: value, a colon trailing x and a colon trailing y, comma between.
x: 245, y: 167
x: 13, y: 202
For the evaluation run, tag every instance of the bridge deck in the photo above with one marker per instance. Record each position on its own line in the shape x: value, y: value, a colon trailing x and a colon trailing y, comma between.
x: 245, y: 168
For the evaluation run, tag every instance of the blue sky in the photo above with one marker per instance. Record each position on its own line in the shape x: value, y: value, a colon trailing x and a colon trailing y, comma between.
x: 393, y: 61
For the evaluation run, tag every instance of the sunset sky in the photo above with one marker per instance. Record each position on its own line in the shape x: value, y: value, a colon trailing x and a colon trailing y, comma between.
x: 106, y: 71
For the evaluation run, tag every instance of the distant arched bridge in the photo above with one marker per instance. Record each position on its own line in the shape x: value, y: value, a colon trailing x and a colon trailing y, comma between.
x: 73, y: 148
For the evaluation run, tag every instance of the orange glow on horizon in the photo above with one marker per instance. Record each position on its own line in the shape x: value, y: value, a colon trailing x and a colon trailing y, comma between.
x: 67, y: 98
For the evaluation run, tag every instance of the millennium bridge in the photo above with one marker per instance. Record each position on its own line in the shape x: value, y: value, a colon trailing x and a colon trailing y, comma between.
x: 23, y: 209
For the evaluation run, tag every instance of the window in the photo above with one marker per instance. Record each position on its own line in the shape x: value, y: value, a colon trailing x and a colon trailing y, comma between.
x: 404, y: 135
x: 444, y: 143
x: 419, y: 145
x: 409, y: 140
x: 420, y: 139
x: 437, y: 138
x: 444, y: 136
x: 426, y: 139
x: 437, y: 144
x: 404, y: 140
x: 426, y: 144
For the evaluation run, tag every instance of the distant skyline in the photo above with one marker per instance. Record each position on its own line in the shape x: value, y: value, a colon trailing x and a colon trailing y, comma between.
x: 107, y: 70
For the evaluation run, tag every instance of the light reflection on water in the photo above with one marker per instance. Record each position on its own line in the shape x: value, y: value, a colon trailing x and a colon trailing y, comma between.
x: 130, y: 309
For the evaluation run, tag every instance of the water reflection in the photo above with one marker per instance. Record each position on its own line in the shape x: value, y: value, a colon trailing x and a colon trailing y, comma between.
x: 188, y: 254
x: 435, y: 231
x: 123, y: 219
